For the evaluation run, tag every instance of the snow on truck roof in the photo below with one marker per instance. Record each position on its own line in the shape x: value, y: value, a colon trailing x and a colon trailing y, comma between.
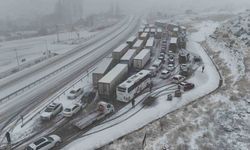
x: 150, y: 42
x: 102, y: 67
x: 130, y: 53
x: 112, y: 74
x: 121, y: 47
x: 134, y: 78
x: 142, y: 54
x: 138, y: 43
x: 132, y: 39
x: 173, y: 40
x: 144, y: 34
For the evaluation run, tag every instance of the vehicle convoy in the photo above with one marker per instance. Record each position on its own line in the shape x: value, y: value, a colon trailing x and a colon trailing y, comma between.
x: 45, y: 143
x: 102, y: 110
x: 51, y: 110
x: 133, y: 86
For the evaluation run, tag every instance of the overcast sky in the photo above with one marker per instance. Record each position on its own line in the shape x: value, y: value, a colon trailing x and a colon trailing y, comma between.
x: 31, y: 8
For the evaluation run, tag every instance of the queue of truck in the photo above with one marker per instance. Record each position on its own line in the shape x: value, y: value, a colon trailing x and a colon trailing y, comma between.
x: 125, y: 74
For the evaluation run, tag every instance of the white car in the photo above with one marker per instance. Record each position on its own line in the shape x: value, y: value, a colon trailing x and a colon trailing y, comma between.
x: 165, y: 74
x: 51, y: 110
x: 171, y: 67
x: 178, y: 78
x: 45, y: 143
x: 73, y: 94
x: 70, y: 110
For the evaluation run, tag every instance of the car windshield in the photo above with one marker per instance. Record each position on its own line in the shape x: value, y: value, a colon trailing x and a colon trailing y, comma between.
x: 72, y: 92
x: 67, y: 110
x: 39, y: 141
x: 29, y: 148
x: 50, y: 139
x: 49, y: 109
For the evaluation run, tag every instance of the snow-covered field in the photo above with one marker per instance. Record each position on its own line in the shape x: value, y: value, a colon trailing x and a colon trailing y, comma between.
x: 217, y: 121
x: 34, y: 48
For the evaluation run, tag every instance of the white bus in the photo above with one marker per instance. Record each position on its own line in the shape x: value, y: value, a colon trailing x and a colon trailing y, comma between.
x: 134, y: 85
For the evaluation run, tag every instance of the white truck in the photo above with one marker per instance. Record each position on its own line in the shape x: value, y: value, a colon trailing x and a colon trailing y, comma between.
x: 102, y: 110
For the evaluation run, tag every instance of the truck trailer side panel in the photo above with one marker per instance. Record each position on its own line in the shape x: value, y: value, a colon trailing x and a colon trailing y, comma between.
x: 107, y: 84
x: 141, y: 59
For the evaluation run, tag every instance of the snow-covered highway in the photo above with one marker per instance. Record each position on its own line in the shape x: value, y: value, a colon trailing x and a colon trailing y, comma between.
x: 90, y: 56
x: 23, y: 81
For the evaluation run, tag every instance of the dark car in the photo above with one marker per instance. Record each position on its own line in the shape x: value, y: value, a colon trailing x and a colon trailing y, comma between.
x: 186, y: 86
x: 88, y: 97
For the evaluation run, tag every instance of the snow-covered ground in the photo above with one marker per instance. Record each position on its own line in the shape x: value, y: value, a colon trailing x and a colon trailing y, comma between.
x: 205, y: 83
x: 34, y: 48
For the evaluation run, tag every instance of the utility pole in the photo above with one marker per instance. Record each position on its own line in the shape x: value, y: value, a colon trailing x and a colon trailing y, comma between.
x: 47, y: 49
x: 17, y: 57
x: 57, y: 33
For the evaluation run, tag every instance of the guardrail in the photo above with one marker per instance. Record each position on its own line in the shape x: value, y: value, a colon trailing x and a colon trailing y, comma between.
x: 35, y: 83
x: 62, y: 91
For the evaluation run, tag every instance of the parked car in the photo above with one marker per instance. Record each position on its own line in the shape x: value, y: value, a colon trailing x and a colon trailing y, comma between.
x: 165, y: 74
x: 171, y: 60
x: 162, y: 54
x: 88, y: 97
x: 171, y: 67
x: 178, y: 78
x: 162, y: 59
x: 73, y: 94
x: 185, y: 86
x: 70, y: 110
x: 51, y: 110
x: 45, y: 143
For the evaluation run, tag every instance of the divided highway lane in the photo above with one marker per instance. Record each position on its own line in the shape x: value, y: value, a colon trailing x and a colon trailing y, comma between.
x: 10, y: 86
x: 25, y: 103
